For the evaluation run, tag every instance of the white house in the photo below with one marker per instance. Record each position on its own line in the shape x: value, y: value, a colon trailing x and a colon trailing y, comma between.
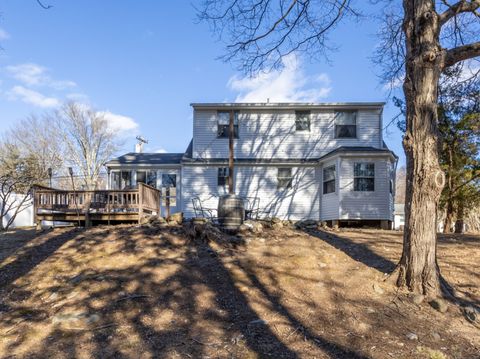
x: 321, y: 161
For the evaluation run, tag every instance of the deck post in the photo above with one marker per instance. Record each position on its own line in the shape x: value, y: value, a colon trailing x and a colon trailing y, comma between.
x: 140, y: 202
x: 86, y: 208
x: 38, y: 225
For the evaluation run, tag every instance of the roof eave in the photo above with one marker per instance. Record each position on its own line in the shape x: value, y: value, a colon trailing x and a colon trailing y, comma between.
x: 288, y: 105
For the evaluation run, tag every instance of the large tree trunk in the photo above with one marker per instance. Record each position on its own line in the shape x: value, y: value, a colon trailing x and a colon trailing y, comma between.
x: 418, y: 268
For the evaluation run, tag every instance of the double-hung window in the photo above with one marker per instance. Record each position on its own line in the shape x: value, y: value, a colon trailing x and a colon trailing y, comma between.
x: 302, y: 121
x: 284, y: 178
x: 345, y: 124
x: 329, y: 179
x: 364, y: 176
x: 223, y: 124
x: 222, y: 178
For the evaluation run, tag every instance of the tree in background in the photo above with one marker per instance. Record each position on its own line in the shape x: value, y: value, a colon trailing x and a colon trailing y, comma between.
x: 420, y: 40
x: 459, y: 125
x: 19, y: 171
x: 400, y: 183
x: 88, y: 141
x: 37, y: 137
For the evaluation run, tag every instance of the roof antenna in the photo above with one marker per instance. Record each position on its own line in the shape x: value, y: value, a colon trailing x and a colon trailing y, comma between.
x: 139, y: 144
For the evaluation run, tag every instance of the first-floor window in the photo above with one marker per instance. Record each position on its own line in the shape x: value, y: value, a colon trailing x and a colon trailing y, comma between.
x: 121, y: 180
x: 364, y: 173
x: 147, y: 177
x: 141, y: 176
x: 169, y: 180
x: 284, y: 178
x: 222, y: 178
x: 329, y: 179
x: 152, y: 178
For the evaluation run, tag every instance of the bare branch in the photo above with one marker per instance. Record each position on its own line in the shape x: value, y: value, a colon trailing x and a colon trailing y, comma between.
x: 462, y: 53
x: 260, y: 33
x: 460, y: 7
x: 46, y: 7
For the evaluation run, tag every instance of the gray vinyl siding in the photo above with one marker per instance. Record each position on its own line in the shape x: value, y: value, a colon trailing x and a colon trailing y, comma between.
x: 365, y: 205
x: 296, y: 203
x: 271, y: 134
x: 329, y: 202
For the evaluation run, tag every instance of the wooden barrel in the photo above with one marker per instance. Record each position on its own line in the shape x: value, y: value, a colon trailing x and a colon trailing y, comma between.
x: 231, y: 212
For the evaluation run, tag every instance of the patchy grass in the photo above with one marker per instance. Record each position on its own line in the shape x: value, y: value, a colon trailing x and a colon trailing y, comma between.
x: 129, y: 291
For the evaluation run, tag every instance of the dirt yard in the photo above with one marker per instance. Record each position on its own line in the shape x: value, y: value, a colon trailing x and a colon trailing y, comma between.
x: 140, y: 292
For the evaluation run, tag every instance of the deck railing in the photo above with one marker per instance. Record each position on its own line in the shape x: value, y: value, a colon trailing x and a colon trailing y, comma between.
x: 142, y: 199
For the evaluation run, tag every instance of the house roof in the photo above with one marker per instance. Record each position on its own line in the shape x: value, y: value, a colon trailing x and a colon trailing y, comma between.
x: 343, y: 149
x: 348, y: 149
x: 133, y: 158
x: 159, y: 159
x: 286, y: 105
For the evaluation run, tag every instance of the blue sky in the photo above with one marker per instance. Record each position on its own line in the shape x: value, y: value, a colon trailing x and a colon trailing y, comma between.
x: 144, y: 62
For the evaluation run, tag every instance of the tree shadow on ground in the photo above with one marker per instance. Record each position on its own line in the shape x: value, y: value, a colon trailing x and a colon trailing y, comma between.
x: 28, y: 258
x: 167, y: 297
x: 359, y: 252
x: 362, y: 253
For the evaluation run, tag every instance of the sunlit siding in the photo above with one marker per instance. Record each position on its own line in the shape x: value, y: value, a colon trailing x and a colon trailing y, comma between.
x: 299, y: 202
x: 271, y: 134
x: 365, y: 205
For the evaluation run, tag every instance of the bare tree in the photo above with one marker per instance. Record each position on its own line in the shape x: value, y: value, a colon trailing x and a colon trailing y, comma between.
x: 88, y: 140
x: 19, y: 171
x: 37, y: 137
x: 423, y: 40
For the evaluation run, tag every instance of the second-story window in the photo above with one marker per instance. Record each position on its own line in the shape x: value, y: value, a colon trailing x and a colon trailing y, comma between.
x: 345, y: 124
x: 302, y: 120
x: 223, y: 124
x: 284, y: 178
x: 222, y: 176
x: 364, y: 176
x: 329, y: 179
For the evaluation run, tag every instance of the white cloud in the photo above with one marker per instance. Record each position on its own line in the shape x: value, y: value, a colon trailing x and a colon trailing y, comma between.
x: 118, y: 122
x: 29, y: 74
x: 287, y: 85
x: 4, y: 35
x: 161, y: 150
x: 32, y: 74
x: 77, y: 97
x: 32, y: 97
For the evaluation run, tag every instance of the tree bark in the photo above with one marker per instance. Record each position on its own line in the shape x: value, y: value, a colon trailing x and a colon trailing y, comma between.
x: 459, y: 223
x: 418, y: 269
x: 447, y: 224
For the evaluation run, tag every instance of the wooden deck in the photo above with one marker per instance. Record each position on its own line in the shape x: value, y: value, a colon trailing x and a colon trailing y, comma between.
x: 104, y: 206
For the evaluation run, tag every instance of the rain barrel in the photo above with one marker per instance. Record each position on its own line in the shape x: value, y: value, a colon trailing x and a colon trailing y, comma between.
x: 231, y: 212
